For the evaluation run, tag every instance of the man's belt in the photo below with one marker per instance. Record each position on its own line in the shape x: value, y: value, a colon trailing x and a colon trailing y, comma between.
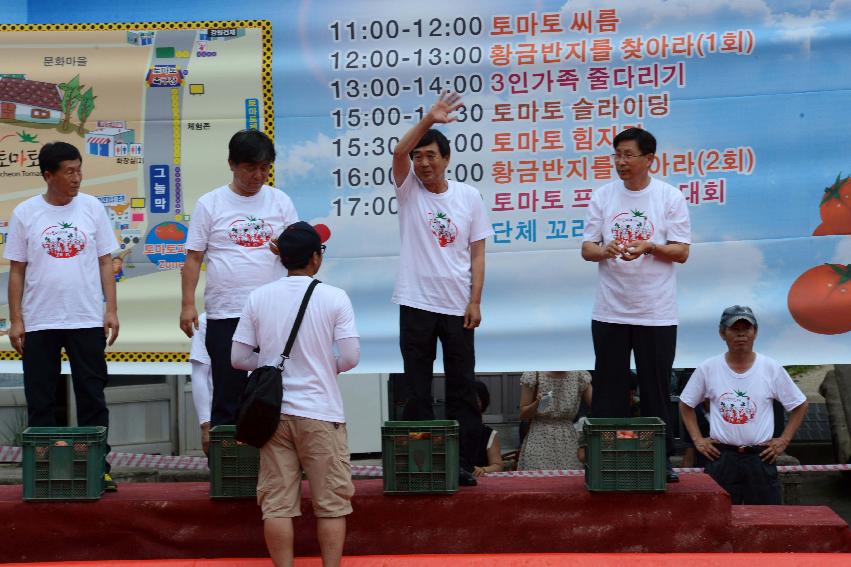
x: 746, y: 449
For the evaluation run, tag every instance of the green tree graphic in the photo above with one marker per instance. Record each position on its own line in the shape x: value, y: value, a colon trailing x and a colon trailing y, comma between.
x: 84, y: 110
x: 70, y: 99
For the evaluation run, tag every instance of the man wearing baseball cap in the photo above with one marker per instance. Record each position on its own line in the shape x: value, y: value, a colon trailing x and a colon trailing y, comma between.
x: 311, y: 435
x: 740, y: 386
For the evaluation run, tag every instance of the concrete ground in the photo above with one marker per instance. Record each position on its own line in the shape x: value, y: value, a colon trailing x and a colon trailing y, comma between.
x: 827, y: 489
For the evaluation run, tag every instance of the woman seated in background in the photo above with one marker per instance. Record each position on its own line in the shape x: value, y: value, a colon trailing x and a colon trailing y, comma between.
x: 488, y: 456
x: 551, y: 401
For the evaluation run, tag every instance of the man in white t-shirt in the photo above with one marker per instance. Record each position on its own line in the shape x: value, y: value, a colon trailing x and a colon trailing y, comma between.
x: 311, y: 435
x: 62, y: 291
x: 636, y: 228
x: 443, y: 226
x: 234, y: 227
x: 741, y: 386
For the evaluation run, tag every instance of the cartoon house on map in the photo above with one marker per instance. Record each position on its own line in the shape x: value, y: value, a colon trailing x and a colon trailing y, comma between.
x: 141, y: 37
x: 30, y: 101
x: 102, y: 142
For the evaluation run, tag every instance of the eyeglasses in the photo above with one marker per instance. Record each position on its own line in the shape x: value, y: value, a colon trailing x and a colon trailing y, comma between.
x: 322, y: 249
x: 625, y: 157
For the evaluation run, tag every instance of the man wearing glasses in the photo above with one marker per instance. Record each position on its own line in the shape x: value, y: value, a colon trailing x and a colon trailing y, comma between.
x: 233, y: 226
x: 636, y: 228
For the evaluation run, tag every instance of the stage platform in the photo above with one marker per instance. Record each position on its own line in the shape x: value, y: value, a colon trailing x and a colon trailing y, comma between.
x: 501, y: 515
x: 514, y: 560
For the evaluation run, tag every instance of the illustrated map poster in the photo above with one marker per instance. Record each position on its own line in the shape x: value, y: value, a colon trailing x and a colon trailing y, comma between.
x: 151, y: 108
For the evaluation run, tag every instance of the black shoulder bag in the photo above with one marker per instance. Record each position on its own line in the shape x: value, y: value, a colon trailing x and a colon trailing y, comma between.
x: 259, y: 410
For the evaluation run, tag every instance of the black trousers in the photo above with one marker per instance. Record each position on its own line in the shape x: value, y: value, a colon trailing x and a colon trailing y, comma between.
x: 419, y: 331
x: 228, y: 382
x: 43, y: 377
x: 654, y: 349
x: 747, y: 478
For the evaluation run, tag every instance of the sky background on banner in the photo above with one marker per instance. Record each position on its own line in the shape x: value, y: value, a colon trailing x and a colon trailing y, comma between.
x: 787, y: 101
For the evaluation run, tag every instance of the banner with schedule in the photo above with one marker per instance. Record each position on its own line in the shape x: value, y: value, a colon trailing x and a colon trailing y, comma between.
x: 746, y: 99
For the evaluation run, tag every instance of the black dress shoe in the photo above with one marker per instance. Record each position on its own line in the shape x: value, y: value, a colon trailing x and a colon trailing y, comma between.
x: 466, y: 478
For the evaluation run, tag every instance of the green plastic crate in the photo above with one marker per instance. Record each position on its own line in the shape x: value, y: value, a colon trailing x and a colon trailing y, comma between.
x: 420, y: 457
x: 63, y: 463
x: 626, y: 454
x: 233, y: 466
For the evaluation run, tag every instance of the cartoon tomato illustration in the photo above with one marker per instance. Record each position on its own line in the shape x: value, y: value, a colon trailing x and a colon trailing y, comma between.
x: 443, y: 228
x: 250, y: 232
x: 630, y: 226
x: 737, y: 407
x: 820, y: 299
x: 170, y: 231
x: 835, y: 207
x: 63, y: 241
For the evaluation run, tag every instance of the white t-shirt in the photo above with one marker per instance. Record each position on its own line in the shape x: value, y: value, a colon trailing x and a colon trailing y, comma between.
x: 310, y: 374
x: 198, y: 350
x: 202, y: 373
x: 642, y: 291
x: 61, y: 246
x: 202, y: 390
x: 235, y: 231
x: 740, y: 405
x: 436, y: 232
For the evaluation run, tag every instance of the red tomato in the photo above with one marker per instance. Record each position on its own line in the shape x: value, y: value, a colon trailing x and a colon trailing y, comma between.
x: 169, y: 231
x: 820, y: 299
x: 324, y: 232
x: 825, y: 229
x: 835, y: 207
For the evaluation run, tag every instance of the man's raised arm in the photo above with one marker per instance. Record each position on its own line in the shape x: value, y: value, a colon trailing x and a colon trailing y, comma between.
x: 439, y: 113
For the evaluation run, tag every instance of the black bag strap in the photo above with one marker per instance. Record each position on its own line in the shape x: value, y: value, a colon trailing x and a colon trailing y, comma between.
x: 286, y: 354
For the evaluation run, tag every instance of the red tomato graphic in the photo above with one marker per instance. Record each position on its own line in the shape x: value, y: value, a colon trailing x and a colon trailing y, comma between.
x: 820, y: 299
x: 630, y: 226
x: 443, y: 229
x: 736, y: 407
x: 835, y: 207
x: 170, y: 231
x: 63, y: 241
x: 251, y: 232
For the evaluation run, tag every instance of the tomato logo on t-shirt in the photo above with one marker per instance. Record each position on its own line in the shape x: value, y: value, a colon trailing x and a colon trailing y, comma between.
x: 442, y: 228
x: 250, y: 232
x: 632, y: 225
x: 63, y: 241
x: 737, y: 407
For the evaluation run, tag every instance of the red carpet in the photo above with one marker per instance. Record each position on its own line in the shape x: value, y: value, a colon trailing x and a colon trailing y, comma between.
x: 547, y: 515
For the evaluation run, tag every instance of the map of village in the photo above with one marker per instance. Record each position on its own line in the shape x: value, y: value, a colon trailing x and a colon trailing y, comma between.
x: 151, y: 111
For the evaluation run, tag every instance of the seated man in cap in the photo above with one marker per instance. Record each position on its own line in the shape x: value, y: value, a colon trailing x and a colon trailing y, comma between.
x: 740, y: 385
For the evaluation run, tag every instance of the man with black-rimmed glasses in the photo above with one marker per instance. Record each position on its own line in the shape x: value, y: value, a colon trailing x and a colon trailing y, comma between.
x: 636, y: 229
